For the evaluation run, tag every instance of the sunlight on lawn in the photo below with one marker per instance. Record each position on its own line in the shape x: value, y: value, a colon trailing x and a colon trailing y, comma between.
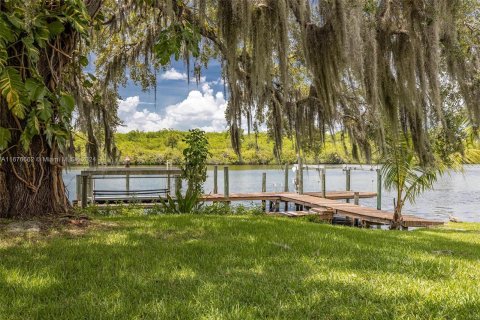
x: 241, y: 267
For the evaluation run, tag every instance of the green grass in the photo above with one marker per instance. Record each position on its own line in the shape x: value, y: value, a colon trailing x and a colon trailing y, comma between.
x: 238, y: 267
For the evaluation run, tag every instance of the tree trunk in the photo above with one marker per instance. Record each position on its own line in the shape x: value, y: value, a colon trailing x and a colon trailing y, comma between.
x: 31, y: 182
x: 397, y: 216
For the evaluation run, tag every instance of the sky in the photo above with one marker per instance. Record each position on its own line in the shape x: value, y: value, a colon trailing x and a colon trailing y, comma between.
x: 179, y: 105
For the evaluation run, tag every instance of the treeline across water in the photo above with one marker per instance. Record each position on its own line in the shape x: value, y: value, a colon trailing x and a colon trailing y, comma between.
x: 156, y: 148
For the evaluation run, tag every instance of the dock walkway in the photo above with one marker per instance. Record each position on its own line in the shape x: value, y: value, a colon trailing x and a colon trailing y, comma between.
x: 314, y: 202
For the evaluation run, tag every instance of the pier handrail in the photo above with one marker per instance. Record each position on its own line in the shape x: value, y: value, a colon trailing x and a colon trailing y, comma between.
x: 130, y: 171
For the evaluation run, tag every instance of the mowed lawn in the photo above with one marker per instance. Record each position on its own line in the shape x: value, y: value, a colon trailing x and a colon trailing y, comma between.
x: 238, y: 267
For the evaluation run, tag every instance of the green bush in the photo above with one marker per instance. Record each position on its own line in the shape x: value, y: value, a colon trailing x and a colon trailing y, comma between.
x: 333, y: 158
x: 222, y: 208
x: 188, y: 203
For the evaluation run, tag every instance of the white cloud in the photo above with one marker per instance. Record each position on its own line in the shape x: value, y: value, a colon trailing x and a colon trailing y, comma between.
x: 219, y: 81
x: 201, y: 109
x: 173, y: 74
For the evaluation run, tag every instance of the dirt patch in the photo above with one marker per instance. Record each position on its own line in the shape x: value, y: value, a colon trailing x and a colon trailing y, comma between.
x: 49, y: 226
x: 23, y: 227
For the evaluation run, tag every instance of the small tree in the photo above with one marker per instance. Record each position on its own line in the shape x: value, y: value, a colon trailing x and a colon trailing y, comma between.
x: 194, y: 168
x: 172, y: 140
x: 403, y: 173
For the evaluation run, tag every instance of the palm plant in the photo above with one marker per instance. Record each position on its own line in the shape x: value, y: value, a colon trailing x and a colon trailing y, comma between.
x: 403, y: 173
x: 188, y: 203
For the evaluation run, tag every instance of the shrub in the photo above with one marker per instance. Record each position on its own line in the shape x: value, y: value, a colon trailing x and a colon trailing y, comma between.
x: 188, y: 203
x: 194, y: 169
x: 333, y: 158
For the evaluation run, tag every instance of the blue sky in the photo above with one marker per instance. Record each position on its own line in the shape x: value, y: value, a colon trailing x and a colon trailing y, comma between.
x: 179, y: 104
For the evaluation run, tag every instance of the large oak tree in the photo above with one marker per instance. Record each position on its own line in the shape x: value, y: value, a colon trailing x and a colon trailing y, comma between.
x: 372, y: 68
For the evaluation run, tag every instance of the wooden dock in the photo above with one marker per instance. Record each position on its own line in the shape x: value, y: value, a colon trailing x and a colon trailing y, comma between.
x: 313, y: 202
x: 328, y: 205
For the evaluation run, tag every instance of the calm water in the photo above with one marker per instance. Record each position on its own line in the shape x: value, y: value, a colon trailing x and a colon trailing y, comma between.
x: 455, y: 194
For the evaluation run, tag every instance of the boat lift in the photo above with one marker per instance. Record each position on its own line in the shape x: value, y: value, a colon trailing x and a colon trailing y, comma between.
x: 347, y: 168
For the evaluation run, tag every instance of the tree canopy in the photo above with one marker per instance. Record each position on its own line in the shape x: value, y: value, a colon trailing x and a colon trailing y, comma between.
x: 372, y: 68
x: 376, y: 70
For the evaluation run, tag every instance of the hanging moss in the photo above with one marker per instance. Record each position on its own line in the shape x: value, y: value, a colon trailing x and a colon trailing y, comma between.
x: 374, y: 67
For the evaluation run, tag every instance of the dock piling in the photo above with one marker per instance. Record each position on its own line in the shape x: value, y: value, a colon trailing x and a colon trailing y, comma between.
x: 324, y: 183
x: 178, y: 185
x: 300, y: 169
x: 84, y: 191
x: 78, y: 183
x: 226, y: 187
x: 379, y: 189
x: 348, y: 172
x: 127, y: 183
x: 169, y: 182
x: 286, y: 185
x: 286, y: 179
x: 356, y: 198
x: 264, y: 189
x: 90, y: 187
x: 215, y: 180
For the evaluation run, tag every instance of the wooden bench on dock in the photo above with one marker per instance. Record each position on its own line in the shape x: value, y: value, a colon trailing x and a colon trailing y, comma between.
x: 128, y: 196
x: 86, y: 192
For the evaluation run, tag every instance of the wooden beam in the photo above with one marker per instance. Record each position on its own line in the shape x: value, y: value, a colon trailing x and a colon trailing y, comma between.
x: 131, y: 171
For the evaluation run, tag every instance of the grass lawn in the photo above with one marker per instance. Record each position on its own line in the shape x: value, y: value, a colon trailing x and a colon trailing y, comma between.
x: 237, y: 267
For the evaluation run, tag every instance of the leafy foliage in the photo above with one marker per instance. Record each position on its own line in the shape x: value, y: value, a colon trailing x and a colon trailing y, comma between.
x: 5, y: 137
x: 402, y: 172
x: 221, y: 208
x: 12, y: 89
x: 25, y: 32
x: 177, y: 36
x: 194, y: 169
x: 188, y: 203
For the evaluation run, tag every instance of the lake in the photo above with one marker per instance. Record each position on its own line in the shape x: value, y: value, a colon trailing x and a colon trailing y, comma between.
x: 456, y: 194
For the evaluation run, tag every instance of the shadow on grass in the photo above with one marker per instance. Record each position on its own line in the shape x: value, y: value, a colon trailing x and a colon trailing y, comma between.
x: 236, y: 267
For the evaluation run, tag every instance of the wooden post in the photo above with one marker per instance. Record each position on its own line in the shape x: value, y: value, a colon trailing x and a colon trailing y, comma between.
x: 127, y: 183
x: 379, y: 189
x: 264, y: 189
x: 79, y: 187
x: 356, y: 198
x: 90, y: 186
x: 178, y: 184
x: 84, y: 191
x: 324, y: 183
x: 285, y: 189
x: 169, y: 184
x: 348, y: 186
x: 169, y: 181
x: 226, y: 187
x: 215, y: 180
x: 264, y: 182
x: 300, y: 182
